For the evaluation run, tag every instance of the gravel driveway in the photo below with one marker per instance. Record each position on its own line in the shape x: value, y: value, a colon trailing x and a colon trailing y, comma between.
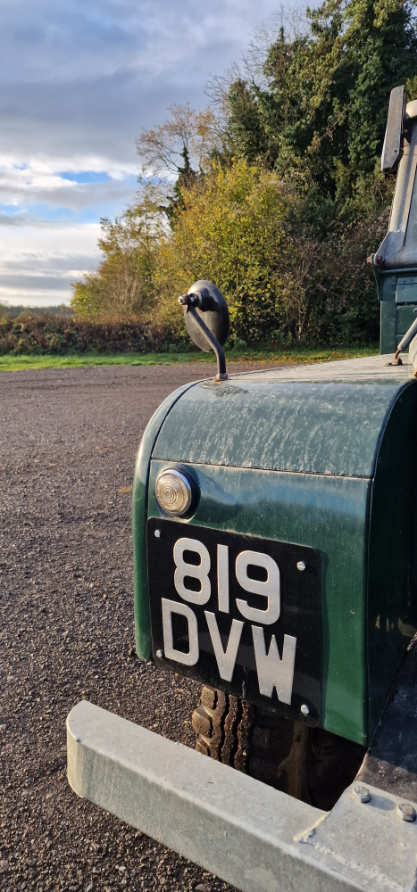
x: 68, y: 444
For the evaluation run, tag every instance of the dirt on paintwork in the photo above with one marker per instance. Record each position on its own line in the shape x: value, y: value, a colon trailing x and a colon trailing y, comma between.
x: 67, y: 451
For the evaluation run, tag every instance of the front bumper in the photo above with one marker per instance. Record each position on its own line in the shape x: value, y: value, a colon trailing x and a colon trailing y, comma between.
x: 252, y: 836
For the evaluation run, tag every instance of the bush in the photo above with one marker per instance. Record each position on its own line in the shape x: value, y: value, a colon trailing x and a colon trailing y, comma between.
x: 122, y: 285
x: 245, y: 231
x: 286, y: 283
x: 48, y: 334
x: 232, y: 230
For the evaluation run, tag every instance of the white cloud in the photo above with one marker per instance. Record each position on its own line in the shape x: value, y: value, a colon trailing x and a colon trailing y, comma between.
x: 39, y: 259
x: 77, y: 82
x: 82, y: 78
x: 23, y: 185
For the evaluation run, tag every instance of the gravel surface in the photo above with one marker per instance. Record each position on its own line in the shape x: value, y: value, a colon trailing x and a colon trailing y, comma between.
x: 68, y: 444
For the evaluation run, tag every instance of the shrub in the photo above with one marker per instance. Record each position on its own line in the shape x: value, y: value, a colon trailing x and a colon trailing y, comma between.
x: 233, y: 230
x: 47, y: 334
x: 246, y: 232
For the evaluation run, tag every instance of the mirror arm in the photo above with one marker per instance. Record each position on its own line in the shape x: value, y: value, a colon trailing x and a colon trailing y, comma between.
x: 221, y: 361
x: 191, y: 301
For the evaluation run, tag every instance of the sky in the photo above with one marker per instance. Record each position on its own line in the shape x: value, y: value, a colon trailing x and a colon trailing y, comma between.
x: 78, y: 81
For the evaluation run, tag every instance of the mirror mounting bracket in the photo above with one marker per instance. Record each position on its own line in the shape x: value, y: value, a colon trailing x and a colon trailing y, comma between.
x: 205, y: 302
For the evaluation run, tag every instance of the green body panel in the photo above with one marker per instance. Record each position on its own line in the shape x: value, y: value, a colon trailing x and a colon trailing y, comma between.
x: 321, y: 456
x: 284, y: 426
x: 406, y: 291
x: 398, y: 296
x: 387, y: 331
x: 139, y: 512
x: 405, y: 317
x: 392, y: 554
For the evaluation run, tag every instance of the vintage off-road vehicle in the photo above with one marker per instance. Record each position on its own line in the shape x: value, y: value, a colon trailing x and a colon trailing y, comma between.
x: 275, y: 551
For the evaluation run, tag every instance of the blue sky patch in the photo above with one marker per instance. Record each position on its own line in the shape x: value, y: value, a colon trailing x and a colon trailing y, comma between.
x: 85, y: 176
x: 9, y: 210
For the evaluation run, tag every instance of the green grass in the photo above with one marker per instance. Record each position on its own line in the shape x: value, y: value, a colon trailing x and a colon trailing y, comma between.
x: 19, y: 363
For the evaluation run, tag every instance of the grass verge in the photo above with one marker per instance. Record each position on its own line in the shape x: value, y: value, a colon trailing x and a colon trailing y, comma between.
x: 274, y: 357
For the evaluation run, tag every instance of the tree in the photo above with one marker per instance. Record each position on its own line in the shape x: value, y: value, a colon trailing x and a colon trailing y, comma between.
x: 317, y: 113
x: 122, y: 284
x: 242, y: 228
x: 179, y: 152
x: 186, y: 178
x: 162, y: 149
x: 277, y: 197
x: 233, y: 232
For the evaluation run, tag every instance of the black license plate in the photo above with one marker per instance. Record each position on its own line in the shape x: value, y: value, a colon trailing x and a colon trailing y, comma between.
x: 240, y: 613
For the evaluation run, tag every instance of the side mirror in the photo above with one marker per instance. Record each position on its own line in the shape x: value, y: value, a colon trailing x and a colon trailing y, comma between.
x: 207, y: 320
x: 394, y: 135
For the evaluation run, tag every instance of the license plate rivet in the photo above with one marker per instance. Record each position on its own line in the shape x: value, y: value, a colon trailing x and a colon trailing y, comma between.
x: 304, y: 709
x: 157, y: 534
x: 160, y: 654
x: 301, y: 565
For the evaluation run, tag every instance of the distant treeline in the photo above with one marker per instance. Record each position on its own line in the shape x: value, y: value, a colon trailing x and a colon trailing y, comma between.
x: 14, y: 312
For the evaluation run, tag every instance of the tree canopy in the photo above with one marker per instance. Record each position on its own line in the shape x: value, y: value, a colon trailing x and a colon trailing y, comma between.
x: 317, y: 113
x: 122, y: 284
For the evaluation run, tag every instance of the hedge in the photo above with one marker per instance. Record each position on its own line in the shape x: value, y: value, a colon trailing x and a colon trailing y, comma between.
x: 49, y: 334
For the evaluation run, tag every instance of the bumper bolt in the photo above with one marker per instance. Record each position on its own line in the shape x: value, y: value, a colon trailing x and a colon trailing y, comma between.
x: 406, y: 812
x: 362, y: 793
x: 157, y: 534
x: 160, y: 654
x: 301, y: 565
x: 304, y: 709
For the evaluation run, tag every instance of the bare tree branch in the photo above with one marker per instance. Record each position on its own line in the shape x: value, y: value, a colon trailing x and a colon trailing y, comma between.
x: 161, y: 148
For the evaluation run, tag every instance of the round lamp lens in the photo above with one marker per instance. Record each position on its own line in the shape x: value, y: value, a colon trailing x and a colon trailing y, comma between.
x: 173, y: 492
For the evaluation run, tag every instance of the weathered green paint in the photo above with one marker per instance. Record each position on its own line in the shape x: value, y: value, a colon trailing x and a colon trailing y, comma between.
x: 397, y: 293
x: 406, y: 291
x: 322, y: 456
x: 258, y: 421
x: 139, y: 512
x: 328, y: 513
x: 387, y: 338
x: 405, y: 316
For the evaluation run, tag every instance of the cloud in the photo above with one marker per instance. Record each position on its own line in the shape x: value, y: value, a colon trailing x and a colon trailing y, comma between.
x: 77, y: 82
x: 82, y: 78
x: 21, y: 186
x: 40, y: 259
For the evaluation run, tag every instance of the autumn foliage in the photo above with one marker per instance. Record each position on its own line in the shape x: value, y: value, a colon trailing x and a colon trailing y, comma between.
x: 45, y: 333
x: 274, y: 192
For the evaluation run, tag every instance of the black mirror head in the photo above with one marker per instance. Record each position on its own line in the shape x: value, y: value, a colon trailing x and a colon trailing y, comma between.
x: 210, y: 305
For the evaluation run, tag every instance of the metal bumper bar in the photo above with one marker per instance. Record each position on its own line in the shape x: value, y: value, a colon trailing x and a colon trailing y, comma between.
x: 253, y: 837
